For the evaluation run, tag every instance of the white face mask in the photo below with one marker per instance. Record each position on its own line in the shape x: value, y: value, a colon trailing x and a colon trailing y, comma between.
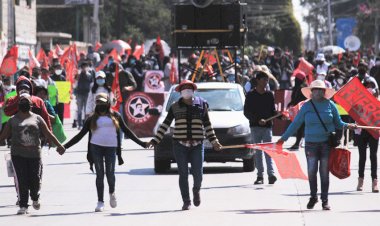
x: 187, y: 93
x: 58, y: 72
x: 317, y: 94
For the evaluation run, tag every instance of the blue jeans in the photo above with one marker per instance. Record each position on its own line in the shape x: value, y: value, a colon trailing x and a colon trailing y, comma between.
x: 318, y: 153
x: 100, y: 155
x: 81, y: 105
x: 262, y: 135
x: 183, y: 155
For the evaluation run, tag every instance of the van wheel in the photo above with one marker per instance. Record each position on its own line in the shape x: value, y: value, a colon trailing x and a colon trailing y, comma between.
x: 161, y: 166
x: 249, y: 165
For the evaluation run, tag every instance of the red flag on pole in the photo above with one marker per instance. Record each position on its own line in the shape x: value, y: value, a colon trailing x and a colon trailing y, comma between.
x: 173, y: 72
x: 9, y: 64
x: 287, y: 163
x: 360, y: 104
x: 33, y: 62
x: 115, y: 56
x: 58, y: 51
x: 160, y: 49
x: 116, y: 90
x: 41, y: 55
x: 139, y: 50
x: 97, y: 46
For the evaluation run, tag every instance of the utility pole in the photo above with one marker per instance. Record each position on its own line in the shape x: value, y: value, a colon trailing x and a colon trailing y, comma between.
x: 329, y: 21
x: 95, y: 28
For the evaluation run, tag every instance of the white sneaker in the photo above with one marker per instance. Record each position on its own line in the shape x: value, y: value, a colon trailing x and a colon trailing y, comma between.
x: 99, y: 207
x: 113, y: 201
x: 36, y: 205
x: 22, y: 211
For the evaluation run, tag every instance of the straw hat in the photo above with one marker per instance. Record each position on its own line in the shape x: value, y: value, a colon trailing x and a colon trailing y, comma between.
x: 318, y: 84
x: 102, y: 97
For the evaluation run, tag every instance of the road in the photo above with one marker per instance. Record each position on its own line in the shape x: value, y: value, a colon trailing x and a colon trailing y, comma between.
x: 68, y: 195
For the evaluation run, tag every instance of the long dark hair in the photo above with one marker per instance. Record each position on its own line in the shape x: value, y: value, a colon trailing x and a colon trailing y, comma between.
x: 95, y: 116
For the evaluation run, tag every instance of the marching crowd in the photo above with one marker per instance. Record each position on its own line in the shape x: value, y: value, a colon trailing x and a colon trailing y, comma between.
x: 33, y: 110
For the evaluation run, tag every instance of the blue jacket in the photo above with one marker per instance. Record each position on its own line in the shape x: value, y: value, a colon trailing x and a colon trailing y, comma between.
x: 314, y: 130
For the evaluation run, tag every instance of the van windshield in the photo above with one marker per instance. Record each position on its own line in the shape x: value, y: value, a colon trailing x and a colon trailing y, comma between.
x: 218, y: 99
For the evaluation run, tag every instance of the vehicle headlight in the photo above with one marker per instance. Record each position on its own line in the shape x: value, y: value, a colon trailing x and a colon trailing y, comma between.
x: 240, y: 129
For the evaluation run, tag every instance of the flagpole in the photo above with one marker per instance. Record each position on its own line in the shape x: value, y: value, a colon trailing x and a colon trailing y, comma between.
x: 368, y: 127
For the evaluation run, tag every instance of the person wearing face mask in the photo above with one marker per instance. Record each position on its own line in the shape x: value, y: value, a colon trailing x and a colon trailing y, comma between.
x: 192, y: 121
x: 104, y: 145
x: 59, y: 76
x: 321, y: 65
x: 363, y: 138
x: 99, y: 86
x: 25, y: 128
x: 317, y: 148
x: 82, y: 90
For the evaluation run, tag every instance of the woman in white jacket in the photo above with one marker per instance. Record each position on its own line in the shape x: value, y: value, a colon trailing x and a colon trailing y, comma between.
x: 99, y: 86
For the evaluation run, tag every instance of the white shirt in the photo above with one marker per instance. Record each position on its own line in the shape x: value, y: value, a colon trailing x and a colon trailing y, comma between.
x: 105, y: 133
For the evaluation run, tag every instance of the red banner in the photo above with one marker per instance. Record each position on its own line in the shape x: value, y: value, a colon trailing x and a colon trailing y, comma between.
x: 360, y: 104
x: 136, y: 112
x: 287, y: 163
x: 41, y: 55
x: 33, y: 62
x: 9, y: 64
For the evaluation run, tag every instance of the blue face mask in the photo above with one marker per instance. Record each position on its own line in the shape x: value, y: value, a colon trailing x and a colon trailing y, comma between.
x: 133, y: 62
x: 100, y: 82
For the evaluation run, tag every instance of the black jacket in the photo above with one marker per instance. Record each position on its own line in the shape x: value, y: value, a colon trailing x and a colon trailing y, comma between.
x: 86, y: 128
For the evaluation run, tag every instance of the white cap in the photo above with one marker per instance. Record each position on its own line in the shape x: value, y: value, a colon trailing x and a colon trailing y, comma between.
x: 100, y: 74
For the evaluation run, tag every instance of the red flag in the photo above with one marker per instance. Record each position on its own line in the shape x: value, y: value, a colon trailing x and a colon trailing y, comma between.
x: 139, y: 50
x: 45, y: 63
x: 356, y: 60
x: 58, y: 51
x: 340, y: 55
x: 287, y: 163
x: 9, y: 64
x: 160, y: 49
x: 33, y: 62
x: 51, y: 56
x: 173, y: 72
x: 115, y: 56
x: 116, y: 90
x: 41, y: 55
x: 307, y: 68
x: 293, y: 111
x: 360, y: 104
x: 97, y: 46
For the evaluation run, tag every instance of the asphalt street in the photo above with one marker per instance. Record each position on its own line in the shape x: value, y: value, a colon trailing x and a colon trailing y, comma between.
x: 68, y: 195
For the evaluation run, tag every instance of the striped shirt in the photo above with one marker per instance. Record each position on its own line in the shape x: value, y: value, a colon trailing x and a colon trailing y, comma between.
x: 191, y: 122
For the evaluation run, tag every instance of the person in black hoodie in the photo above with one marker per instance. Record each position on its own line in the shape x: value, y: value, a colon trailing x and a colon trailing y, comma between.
x: 104, y: 145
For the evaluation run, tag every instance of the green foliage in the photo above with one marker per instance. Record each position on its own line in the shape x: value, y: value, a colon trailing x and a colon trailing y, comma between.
x: 271, y: 22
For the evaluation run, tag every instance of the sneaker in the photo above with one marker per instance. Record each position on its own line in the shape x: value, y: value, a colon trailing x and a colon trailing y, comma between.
x: 75, y: 124
x: 325, y: 205
x: 186, y: 205
x: 259, y: 180
x: 36, y: 205
x: 99, y: 207
x: 113, y: 201
x: 197, y: 197
x: 272, y: 179
x: 311, y: 203
x: 22, y: 210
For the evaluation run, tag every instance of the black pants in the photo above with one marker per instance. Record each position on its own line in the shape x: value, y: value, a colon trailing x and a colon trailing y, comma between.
x: 365, y: 139
x: 59, y: 110
x: 28, y: 178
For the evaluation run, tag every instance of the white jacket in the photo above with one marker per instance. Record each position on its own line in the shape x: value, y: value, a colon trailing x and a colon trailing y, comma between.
x: 90, y: 106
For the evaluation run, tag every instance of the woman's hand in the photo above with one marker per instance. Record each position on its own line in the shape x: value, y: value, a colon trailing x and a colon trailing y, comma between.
x: 149, y: 144
x: 352, y: 126
x: 61, y: 150
x: 280, y: 142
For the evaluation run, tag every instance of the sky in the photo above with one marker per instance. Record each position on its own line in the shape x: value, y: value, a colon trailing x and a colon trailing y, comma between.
x: 298, y: 13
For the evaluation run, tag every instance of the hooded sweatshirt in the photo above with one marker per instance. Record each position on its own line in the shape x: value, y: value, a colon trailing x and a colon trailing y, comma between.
x: 11, y: 106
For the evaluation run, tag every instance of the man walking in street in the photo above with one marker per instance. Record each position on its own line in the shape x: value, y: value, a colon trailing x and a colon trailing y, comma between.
x: 258, y: 106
